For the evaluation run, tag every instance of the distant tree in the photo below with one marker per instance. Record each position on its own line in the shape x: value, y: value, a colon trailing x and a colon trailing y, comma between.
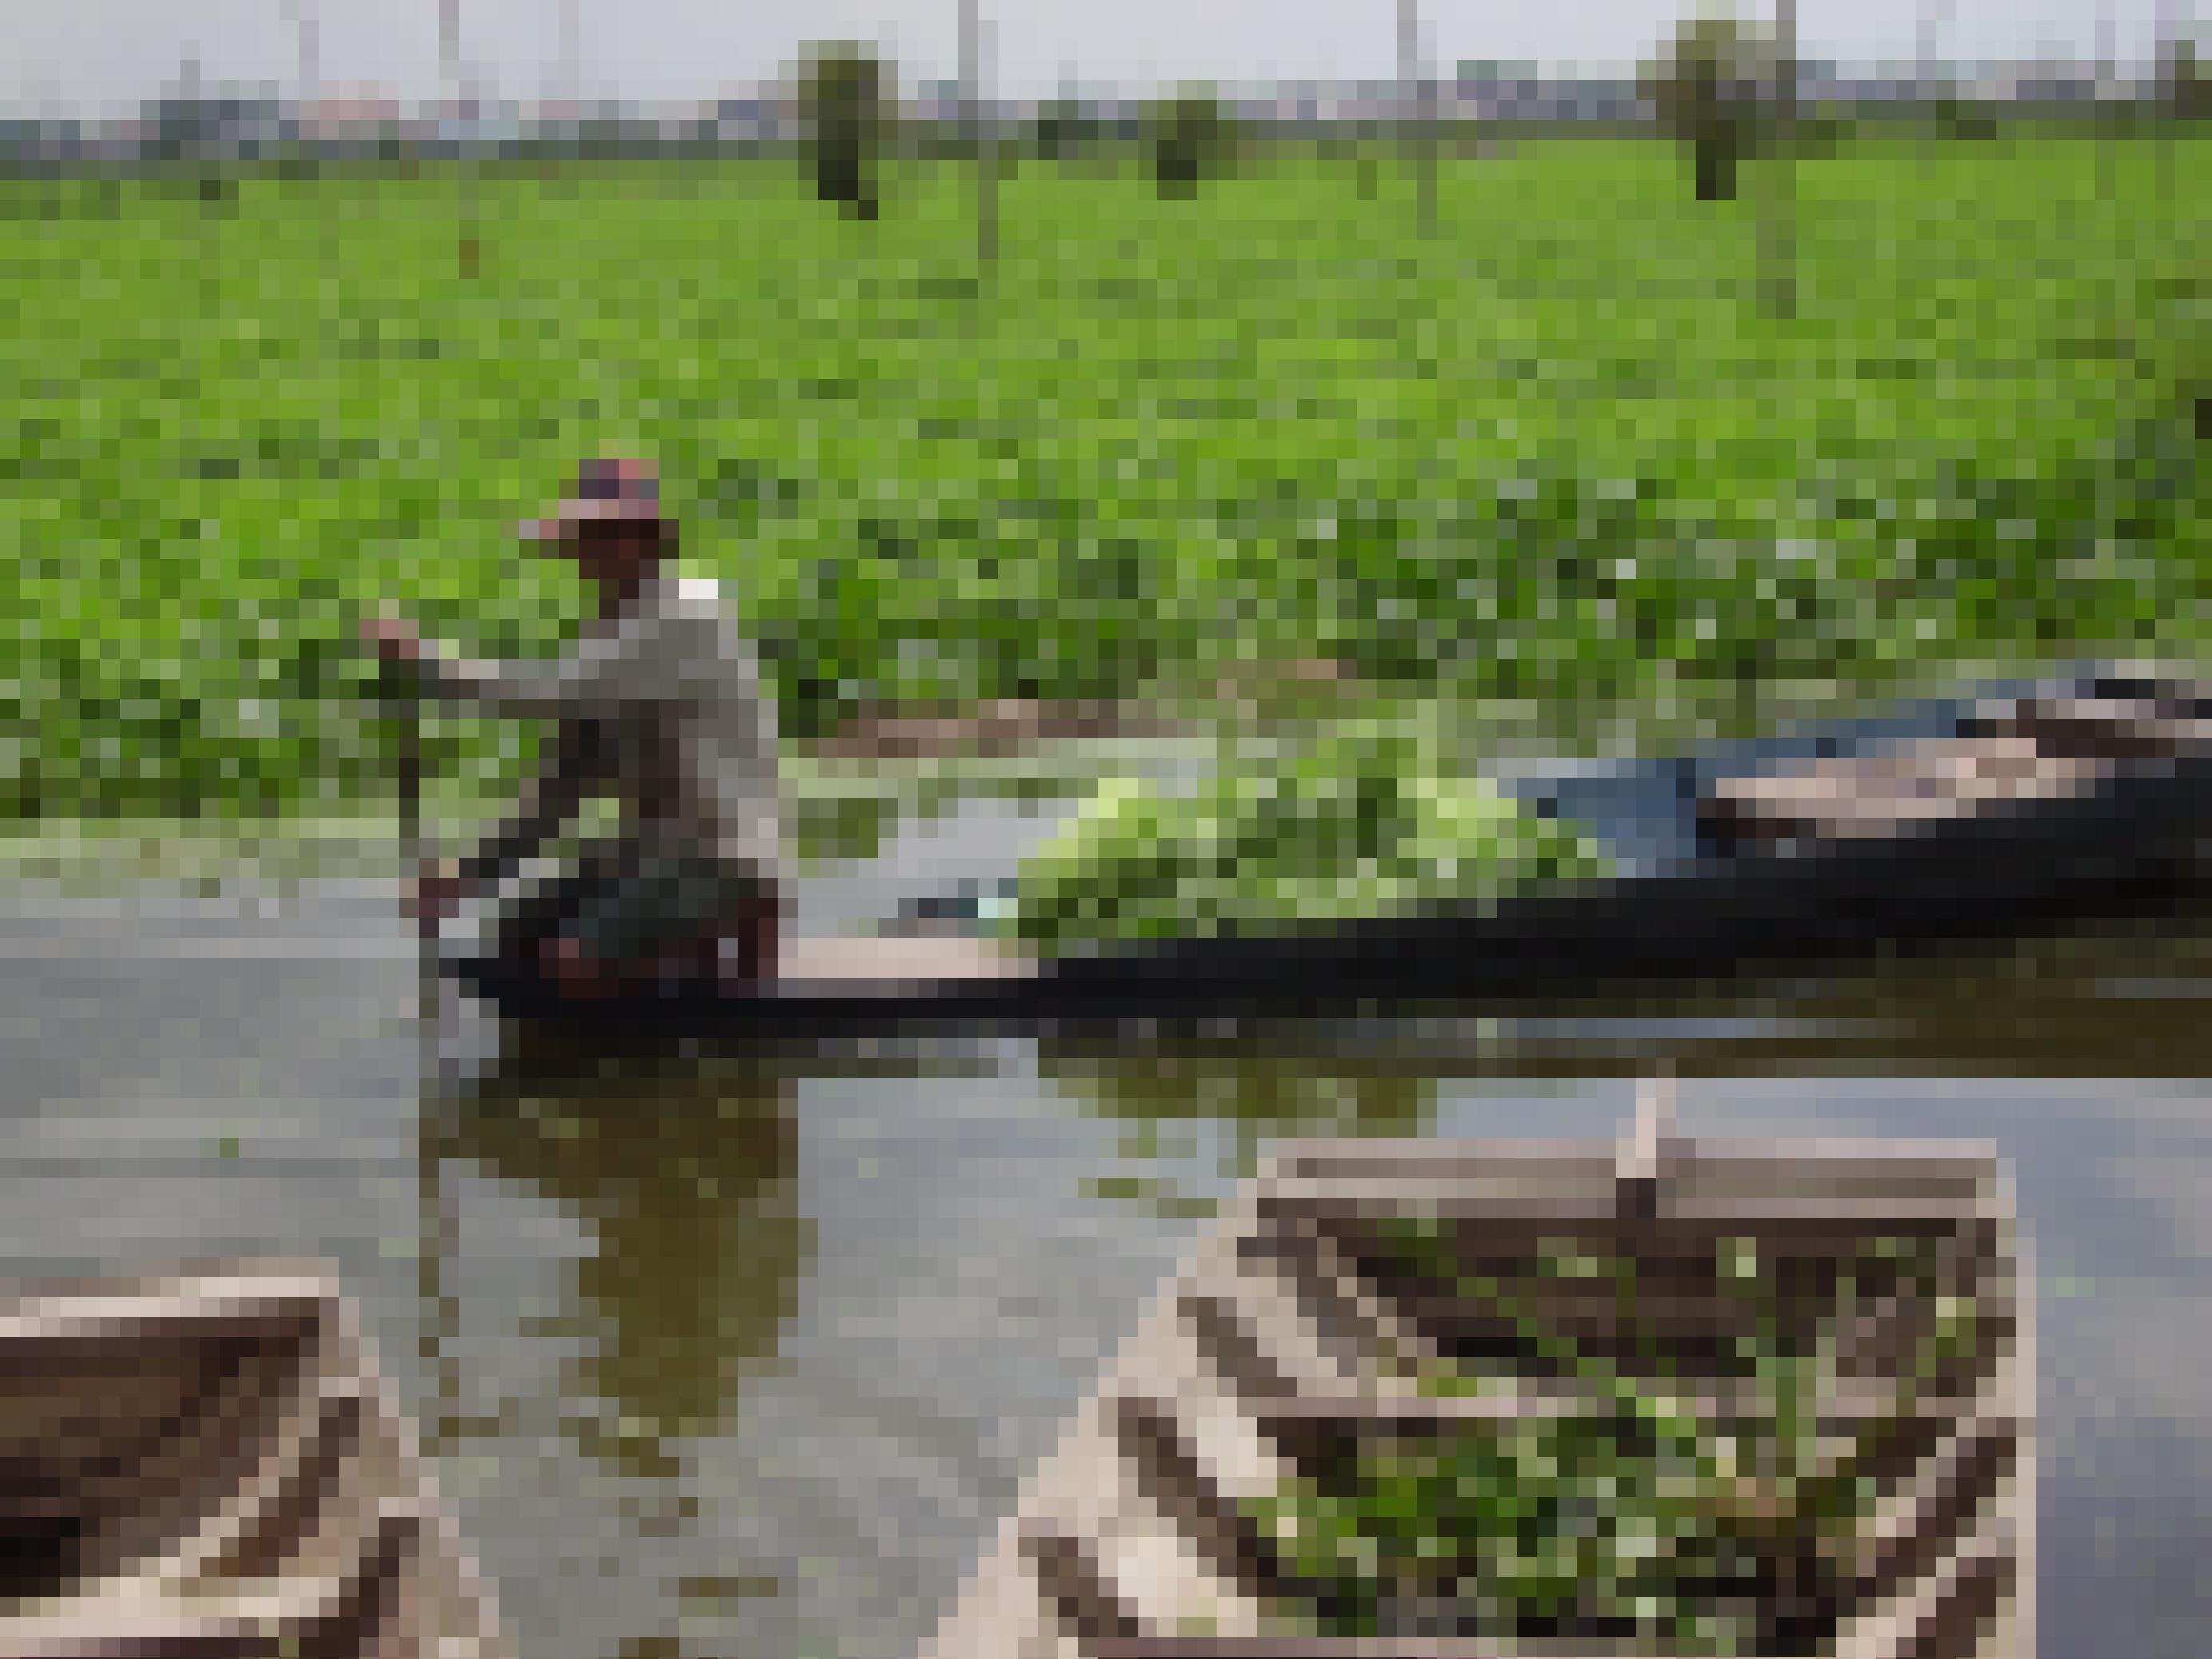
x: 1956, y: 117
x: 845, y: 112
x: 1194, y: 137
x: 2185, y: 83
x: 1710, y: 89
x: 1064, y: 128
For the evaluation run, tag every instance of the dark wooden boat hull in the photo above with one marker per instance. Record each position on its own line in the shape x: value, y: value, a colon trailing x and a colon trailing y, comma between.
x: 2123, y: 848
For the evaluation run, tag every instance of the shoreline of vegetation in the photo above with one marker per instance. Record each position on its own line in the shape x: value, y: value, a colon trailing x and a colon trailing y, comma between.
x: 1552, y: 456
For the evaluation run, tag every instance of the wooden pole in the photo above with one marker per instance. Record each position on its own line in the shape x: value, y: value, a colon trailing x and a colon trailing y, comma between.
x: 1777, y: 223
x: 400, y: 693
x: 403, y: 711
x: 433, y: 1245
x: 987, y: 232
x: 304, y: 39
x: 400, y: 709
x: 572, y: 74
x: 2165, y: 84
x: 2107, y: 68
x: 1414, y: 112
x: 402, y: 720
x: 1933, y: 14
x: 987, y: 173
x: 449, y: 59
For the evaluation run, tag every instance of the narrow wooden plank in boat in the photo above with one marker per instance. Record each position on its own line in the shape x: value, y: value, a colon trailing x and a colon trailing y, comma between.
x: 2165, y: 717
x: 1878, y: 795
x: 896, y: 963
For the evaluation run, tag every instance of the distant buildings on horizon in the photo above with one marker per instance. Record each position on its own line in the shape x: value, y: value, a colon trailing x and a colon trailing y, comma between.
x: 231, y: 123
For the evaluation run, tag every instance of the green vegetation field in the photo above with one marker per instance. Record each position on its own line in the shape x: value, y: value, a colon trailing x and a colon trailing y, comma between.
x: 1554, y: 454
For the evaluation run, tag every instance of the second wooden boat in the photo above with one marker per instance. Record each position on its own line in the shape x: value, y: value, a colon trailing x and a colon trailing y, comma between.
x: 1386, y: 1297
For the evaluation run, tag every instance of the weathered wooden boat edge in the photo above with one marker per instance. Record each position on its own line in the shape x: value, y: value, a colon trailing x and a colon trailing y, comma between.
x: 295, y: 1515
x: 1120, y: 1543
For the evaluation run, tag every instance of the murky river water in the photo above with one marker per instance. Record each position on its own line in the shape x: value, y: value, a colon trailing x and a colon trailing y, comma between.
x: 738, y: 1355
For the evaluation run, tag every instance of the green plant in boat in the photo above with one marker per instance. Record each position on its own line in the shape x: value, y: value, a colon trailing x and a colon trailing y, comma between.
x: 1654, y: 1508
x: 1359, y: 823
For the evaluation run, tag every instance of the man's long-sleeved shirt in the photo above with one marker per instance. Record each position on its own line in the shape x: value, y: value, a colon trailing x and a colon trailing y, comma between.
x: 661, y: 705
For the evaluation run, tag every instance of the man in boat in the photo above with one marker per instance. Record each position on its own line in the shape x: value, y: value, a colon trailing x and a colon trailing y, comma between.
x: 659, y: 702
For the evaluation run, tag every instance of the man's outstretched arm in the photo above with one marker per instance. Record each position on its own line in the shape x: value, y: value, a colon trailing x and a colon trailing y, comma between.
x: 549, y: 800
x: 600, y: 671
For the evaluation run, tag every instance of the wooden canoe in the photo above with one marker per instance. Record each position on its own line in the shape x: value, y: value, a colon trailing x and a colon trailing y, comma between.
x: 1134, y: 1539
x: 1987, y: 820
x: 209, y: 1465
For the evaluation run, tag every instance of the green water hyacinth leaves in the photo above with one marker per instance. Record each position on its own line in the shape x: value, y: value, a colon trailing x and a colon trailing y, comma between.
x: 1634, y: 1519
x: 1525, y: 1526
x: 1547, y: 459
x: 1651, y: 1511
x: 1357, y: 824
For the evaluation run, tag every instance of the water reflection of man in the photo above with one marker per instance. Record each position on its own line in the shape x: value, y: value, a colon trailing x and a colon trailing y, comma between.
x: 659, y: 703
x: 685, y: 1172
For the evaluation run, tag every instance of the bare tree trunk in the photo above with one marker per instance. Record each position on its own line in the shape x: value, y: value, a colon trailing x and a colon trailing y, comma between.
x: 449, y: 59
x: 986, y: 174
x: 1413, y: 115
x: 1713, y: 162
x: 2107, y: 149
x: 1778, y: 221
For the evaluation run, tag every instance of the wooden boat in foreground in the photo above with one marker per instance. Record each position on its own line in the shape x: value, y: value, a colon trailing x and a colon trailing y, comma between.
x: 1993, y: 818
x: 209, y: 1466
x: 1289, y: 1330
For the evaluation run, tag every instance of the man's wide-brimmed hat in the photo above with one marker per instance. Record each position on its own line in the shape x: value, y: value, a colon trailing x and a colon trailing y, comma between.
x: 609, y: 490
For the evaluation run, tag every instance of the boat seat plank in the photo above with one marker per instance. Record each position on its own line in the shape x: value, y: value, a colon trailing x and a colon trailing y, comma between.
x: 2171, y: 721
x: 1882, y: 794
x: 899, y: 963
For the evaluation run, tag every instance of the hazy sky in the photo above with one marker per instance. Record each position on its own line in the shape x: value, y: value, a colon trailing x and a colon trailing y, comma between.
x: 102, y: 54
